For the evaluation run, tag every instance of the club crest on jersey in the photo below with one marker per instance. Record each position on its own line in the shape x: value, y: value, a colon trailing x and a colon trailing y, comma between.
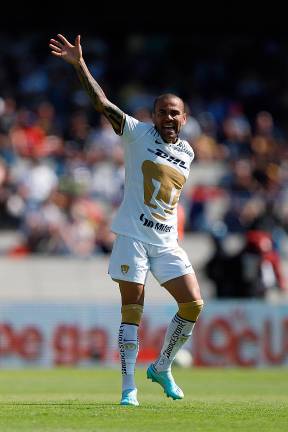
x: 124, y: 268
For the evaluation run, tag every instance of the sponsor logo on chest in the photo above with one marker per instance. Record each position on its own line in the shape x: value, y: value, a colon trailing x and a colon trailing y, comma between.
x: 169, y: 158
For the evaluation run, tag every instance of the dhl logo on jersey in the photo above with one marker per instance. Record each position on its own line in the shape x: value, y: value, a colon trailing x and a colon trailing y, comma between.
x: 168, y: 157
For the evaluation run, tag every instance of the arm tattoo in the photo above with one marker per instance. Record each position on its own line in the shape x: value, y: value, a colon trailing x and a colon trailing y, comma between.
x: 113, y: 114
x: 116, y: 117
x: 94, y: 91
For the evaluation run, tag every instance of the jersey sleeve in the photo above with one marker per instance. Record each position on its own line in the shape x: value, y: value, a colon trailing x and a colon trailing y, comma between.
x: 133, y: 129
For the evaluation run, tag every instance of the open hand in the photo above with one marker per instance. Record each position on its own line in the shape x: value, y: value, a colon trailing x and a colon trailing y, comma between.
x: 64, y: 49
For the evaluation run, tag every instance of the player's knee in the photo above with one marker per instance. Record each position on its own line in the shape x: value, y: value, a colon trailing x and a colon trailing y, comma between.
x: 190, y: 311
x: 131, y: 314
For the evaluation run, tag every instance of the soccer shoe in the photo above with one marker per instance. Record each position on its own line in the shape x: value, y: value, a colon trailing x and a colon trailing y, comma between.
x: 129, y: 397
x: 166, y: 380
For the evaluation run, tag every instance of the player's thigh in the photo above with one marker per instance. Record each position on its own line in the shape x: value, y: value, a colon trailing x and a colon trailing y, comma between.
x: 173, y: 269
x: 128, y: 261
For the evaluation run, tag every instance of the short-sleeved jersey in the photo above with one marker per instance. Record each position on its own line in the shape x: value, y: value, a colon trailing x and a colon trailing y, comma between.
x: 155, y: 173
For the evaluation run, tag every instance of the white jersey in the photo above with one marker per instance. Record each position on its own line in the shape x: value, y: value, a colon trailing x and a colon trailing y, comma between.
x: 155, y: 173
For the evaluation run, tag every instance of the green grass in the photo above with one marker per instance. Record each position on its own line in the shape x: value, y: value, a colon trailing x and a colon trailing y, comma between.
x: 88, y: 400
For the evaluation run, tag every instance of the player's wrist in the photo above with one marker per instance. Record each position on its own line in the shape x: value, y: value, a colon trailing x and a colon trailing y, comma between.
x: 79, y: 63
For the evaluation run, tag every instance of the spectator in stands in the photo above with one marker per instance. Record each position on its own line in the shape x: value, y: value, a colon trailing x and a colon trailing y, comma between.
x: 255, y: 271
x: 218, y: 268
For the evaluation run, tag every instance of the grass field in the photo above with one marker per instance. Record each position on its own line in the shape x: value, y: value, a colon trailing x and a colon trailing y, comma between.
x: 88, y: 400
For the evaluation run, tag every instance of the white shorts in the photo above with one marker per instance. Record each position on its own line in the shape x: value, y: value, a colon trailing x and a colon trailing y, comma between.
x: 131, y: 260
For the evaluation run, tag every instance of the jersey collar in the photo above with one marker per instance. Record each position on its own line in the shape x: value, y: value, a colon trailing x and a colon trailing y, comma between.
x: 159, y: 139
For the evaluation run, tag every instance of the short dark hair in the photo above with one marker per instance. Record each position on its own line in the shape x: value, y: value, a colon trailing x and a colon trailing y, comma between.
x: 166, y: 96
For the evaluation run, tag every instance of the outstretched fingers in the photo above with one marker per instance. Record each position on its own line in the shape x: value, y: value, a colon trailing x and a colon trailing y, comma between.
x: 57, y: 54
x: 55, y: 48
x: 61, y: 47
x: 56, y: 43
x: 77, y: 40
x: 64, y: 40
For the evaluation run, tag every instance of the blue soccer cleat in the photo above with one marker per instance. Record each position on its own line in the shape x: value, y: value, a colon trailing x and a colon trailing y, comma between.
x: 166, y: 380
x: 129, y: 397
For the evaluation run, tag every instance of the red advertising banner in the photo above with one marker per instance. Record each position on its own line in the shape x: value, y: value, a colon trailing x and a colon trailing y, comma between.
x: 229, y: 333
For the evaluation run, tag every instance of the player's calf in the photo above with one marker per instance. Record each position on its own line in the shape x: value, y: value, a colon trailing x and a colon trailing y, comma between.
x: 128, y: 347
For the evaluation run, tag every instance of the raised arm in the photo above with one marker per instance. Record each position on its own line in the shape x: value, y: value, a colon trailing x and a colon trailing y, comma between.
x: 72, y: 54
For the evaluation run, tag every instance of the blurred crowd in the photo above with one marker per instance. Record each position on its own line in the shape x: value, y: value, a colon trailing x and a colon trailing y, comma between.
x: 61, y: 165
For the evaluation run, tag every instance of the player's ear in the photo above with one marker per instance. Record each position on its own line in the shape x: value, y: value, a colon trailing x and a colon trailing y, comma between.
x: 184, y: 118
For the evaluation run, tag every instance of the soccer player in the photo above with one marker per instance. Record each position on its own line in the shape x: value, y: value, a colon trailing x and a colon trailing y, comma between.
x: 157, y: 164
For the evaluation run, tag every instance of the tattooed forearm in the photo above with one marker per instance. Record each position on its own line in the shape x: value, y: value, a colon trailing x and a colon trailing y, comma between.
x: 115, y: 117
x: 92, y: 88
